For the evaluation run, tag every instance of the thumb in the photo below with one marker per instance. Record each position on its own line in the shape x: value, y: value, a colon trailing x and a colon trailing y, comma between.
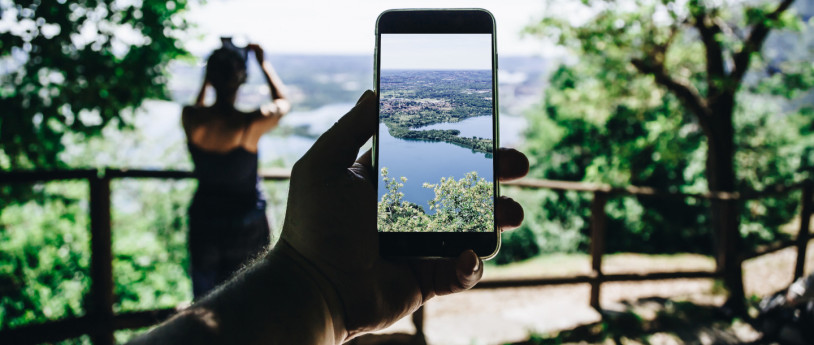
x: 448, y: 276
x: 338, y: 147
x: 468, y: 270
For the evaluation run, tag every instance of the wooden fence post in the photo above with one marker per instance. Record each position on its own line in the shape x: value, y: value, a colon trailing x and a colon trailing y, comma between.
x: 101, y: 262
x: 598, y: 225
x: 802, y: 236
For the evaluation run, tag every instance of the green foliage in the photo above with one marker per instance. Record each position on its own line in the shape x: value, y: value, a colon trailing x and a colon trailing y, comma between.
x: 45, y: 253
x: 72, y: 70
x: 149, y: 233
x: 150, y: 256
x: 396, y: 214
x: 451, y: 136
x: 45, y: 249
x: 603, y: 120
x: 549, y: 225
x: 517, y: 245
x: 661, y: 147
x: 412, y: 99
x: 74, y: 67
x: 437, y: 96
x: 770, y: 152
x: 44, y: 259
x: 650, y: 145
x: 464, y: 205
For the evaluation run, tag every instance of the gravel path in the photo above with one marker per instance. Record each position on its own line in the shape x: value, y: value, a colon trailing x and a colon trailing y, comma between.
x: 507, y: 315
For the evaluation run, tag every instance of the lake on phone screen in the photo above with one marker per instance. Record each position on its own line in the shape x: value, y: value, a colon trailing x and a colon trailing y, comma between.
x: 424, y: 161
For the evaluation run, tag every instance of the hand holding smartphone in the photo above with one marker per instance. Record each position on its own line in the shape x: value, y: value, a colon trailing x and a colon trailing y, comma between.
x: 434, y: 152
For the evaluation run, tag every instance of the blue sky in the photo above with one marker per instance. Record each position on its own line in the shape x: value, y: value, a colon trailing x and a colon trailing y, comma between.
x: 436, y: 52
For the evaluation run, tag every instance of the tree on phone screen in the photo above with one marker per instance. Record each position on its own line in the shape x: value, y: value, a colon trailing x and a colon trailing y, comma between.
x: 463, y: 205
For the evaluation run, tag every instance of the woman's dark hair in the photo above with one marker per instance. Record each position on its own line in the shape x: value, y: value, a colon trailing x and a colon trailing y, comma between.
x: 225, y: 70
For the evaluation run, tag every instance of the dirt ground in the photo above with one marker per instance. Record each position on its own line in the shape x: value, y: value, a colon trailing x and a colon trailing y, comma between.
x: 500, y: 316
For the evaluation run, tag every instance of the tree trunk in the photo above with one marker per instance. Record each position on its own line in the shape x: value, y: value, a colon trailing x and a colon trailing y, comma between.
x: 724, y: 213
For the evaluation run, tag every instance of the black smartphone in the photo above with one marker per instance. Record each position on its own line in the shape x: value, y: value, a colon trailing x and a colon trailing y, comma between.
x: 434, y: 152
x: 226, y: 42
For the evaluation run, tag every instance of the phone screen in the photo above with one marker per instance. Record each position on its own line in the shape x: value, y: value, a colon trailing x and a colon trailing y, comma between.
x: 436, y: 136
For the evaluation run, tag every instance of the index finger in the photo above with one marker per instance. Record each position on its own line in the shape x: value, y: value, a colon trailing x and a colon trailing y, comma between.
x: 338, y: 147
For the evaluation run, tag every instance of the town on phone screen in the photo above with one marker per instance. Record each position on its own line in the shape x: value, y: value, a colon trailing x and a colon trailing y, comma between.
x: 435, y: 133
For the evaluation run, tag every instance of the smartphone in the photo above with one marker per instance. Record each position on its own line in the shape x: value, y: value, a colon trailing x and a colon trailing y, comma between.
x: 226, y: 42
x: 434, y: 151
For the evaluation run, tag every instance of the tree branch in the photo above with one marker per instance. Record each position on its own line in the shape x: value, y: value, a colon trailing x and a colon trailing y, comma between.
x: 709, y: 30
x: 754, y: 42
x: 685, y: 92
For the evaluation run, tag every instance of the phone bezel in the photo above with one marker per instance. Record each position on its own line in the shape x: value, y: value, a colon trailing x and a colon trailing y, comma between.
x: 441, y: 21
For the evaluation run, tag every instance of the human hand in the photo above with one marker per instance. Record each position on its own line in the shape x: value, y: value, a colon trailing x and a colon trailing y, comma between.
x: 258, y: 52
x: 330, y: 226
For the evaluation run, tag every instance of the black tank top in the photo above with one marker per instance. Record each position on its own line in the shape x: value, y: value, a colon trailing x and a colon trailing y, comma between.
x: 228, y: 184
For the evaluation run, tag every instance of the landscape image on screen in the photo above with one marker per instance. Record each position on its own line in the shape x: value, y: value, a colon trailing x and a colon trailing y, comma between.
x: 435, y: 133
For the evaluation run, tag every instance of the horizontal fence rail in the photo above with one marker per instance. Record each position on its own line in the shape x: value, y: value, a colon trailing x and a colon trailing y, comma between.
x: 8, y: 177
x: 594, y: 279
x: 58, y: 330
x: 652, y: 192
x: 101, y: 321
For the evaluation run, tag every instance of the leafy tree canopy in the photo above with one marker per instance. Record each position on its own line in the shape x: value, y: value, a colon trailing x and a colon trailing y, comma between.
x: 463, y: 205
x: 622, y: 112
x: 76, y: 66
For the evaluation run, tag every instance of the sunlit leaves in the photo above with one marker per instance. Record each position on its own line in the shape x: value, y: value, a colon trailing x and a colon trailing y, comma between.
x: 45, y: 251
x: 464, y: 205
x: 62, y: 59
x: 602, y: 120
x: 44, y: 258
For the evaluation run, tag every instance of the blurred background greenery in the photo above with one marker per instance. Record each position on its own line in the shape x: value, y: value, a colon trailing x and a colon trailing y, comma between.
x: 100, y: 83
x: 604, y: 120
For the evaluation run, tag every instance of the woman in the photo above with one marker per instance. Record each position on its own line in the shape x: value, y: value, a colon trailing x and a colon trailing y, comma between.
x: 227, y: 219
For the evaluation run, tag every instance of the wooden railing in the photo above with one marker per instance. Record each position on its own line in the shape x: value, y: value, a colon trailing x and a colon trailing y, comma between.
x: 727, y: 257
x: 100, y: 321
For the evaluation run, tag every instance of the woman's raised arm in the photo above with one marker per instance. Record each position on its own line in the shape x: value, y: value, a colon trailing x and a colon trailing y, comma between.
x: 280, y: 102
